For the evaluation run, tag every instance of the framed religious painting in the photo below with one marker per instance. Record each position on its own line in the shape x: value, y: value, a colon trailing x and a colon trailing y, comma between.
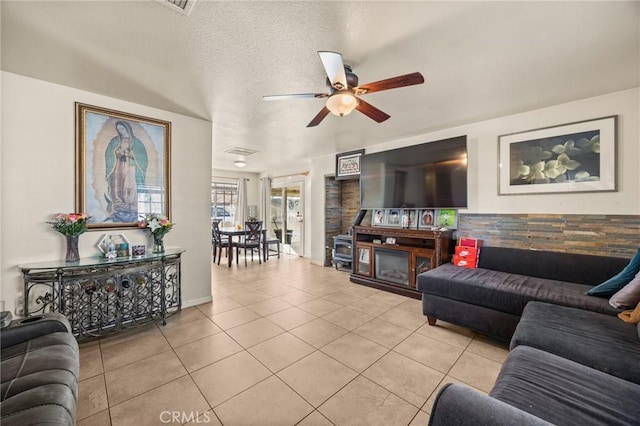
x: 574, y: 157
x: 348, y: 165
x: 123, y: 167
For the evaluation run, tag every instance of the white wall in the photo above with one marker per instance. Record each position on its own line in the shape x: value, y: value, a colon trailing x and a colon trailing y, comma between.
x: 482, y: 145
x: 37, y: 169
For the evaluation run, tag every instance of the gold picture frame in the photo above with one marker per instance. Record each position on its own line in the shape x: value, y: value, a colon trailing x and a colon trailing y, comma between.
x: 123, y: 166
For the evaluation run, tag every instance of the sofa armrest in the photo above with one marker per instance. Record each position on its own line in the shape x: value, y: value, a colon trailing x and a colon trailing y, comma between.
x: 459, y: 405
x: 20, y: 331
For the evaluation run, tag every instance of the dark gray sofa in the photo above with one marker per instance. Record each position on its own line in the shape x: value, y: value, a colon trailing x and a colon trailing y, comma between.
x: 39, y: 371
x: 491, y: 298
x: 566, y: 366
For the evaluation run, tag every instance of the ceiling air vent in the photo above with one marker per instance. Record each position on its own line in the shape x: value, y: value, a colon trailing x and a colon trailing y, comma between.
x: 236, y: 150
x: 182, y: 6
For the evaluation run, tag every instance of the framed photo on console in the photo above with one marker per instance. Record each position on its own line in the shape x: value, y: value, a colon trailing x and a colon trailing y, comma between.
x: 377, y: 217
x: 448, y: 218
x: 394, y: 218
x: 426, y: 218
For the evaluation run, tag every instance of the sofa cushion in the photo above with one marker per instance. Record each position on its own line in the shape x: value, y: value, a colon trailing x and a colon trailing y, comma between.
x: 615, y: 283
x: 561, y: 391
x: 506, y: 292
x: 599, y: 341
x: 52, y: 404
x: 628, y: 296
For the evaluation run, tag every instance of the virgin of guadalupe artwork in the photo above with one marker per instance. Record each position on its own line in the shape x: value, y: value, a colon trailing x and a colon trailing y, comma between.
x: 123, y: 166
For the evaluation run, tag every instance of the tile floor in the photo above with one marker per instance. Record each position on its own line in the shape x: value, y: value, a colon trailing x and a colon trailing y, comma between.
x: 283, y: 343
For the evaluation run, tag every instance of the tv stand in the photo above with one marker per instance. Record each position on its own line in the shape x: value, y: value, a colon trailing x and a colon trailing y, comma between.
x: 391, y: 258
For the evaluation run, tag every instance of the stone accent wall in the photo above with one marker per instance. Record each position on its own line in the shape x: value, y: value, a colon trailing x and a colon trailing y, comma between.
x: 342, y: 203
x: 604, y: 235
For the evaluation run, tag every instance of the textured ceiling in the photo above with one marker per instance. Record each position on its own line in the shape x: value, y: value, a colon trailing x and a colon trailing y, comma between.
x: 480, y: 60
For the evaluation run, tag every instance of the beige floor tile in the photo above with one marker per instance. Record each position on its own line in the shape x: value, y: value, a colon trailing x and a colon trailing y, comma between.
x: 155, y: 407
x: 317, y: 377
x: 90, y: 361
x: 383, y: 332
x: 298, y: 297
x: 412, y: 305
x: 135, y: 334
x: 92, y: 397
x: 269, y: 306
x: 410, y: 380
x: 187, y: 333
x: 234, y: 317
x: 315, y: 419
x: 291, y: 318
x: 477, y: 371
x: 270, y: 399
x: 208, y: 350
x: 403, y: 318
x: 218, y: 306
x: 276, y: 289
x: 489, y: 348
x: 206, y: 418
x: 251, y: 297
x: 447, y: 379
x: 448, y: 333
x: 254, y: 332
x: 225, y: 379
x: 133, y: 379
x: 320, y: 307
x: 99, y: 419
x: 348, y: 318
x: 359, y: 289
x: 355, y: 351
x: 389, y: 298
x: 363, y: 402
x: 281, y: 351
x: 343, y: 298
x: 143, y: 345
x: 421, y: 419
x: 318, y: 332
x: 370, y: 306
x: 183, y: 316
x: 430, y: 352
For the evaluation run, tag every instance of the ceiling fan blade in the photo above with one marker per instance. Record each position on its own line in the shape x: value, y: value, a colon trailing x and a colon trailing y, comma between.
x: 334, y: 67
x: 295, y: 96
x: 391, y: 83
x: 371, y: 111
x: 318, y: 118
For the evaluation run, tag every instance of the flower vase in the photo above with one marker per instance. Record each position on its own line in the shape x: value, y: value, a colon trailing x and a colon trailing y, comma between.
x: 72, y: 248
x: 158, y: 244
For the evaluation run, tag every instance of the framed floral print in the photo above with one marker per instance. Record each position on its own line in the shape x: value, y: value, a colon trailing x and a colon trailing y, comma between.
x: 123, y: 166
x: 576, y: 157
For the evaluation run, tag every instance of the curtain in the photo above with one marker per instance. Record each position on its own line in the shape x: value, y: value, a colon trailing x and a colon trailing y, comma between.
x: 241, y: 211
x: 264, y: 208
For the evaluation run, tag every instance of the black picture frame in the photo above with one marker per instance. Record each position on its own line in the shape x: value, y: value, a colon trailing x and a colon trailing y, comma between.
x: 348, y: 164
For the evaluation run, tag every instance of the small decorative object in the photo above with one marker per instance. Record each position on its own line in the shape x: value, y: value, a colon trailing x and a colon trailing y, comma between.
x: 71, y: 225
x: 137, y: 250
x: 348, y: 165
x: 390, y: 240
x: 114, y: 243
x: 575, y: 157
x: 158, y: 225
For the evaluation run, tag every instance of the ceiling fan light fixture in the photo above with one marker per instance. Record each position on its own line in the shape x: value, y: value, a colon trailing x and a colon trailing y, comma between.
x: 240, y: 163
x: 342, y: 103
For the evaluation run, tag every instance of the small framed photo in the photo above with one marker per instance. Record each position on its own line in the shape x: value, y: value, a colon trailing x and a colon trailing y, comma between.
x: 348, y: 165
x: 390, y: 240
x: 427, y: 219
x: 394, y: 217
x: 138, y: 250
x: 410, y: 218
x: 448, y: 218
x: 377, y: 217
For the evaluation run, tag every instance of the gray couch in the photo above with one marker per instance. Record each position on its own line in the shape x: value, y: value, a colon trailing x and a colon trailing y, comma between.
x: 567, y: 366
x: 491, y: 298
x: 40, y: 364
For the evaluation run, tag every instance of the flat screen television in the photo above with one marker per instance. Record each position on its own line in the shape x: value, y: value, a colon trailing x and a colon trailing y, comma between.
x: 428, y: 175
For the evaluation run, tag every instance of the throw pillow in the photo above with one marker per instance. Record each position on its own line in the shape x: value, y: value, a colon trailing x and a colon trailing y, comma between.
x: 615, y: 283
x: 631, y: 316
x: 629, y: 296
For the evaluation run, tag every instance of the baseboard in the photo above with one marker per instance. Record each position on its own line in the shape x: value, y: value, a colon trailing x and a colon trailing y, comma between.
x: 198, y: 301
x: 317, y: 262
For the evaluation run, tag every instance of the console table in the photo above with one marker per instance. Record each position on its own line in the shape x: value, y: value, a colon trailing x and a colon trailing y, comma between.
x: 100, y: 296
x: 392, y: 258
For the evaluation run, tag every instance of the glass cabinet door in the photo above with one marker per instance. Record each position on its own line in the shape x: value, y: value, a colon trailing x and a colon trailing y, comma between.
x: 421, y: 263
x: 363, y: 260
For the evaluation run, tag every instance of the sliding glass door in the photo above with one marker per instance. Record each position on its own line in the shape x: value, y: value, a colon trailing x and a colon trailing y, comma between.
x: 287, y: 221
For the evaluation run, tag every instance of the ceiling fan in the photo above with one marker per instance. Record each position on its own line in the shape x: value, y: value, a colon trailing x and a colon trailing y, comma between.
x: 343, y: 88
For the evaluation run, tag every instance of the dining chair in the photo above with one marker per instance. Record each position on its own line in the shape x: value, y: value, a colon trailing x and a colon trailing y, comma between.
x: 218, y: 241
x: 250, y: 240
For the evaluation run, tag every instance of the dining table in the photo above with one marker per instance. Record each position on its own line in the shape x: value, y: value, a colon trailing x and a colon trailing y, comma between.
x: 233, y: 231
